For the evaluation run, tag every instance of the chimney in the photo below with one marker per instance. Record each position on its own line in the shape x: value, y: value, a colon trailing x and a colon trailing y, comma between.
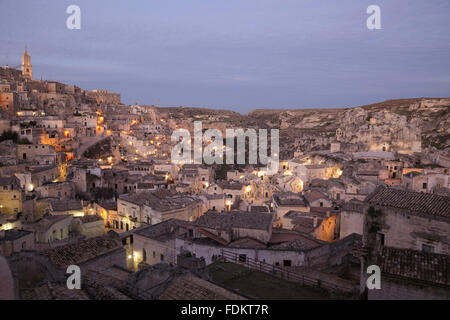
x: 316, y: 220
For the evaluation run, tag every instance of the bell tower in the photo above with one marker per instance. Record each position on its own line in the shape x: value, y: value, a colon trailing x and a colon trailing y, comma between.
x: 27, y: 69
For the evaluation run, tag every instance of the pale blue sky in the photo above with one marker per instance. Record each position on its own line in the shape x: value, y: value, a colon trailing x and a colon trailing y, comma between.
x: 236, y: 54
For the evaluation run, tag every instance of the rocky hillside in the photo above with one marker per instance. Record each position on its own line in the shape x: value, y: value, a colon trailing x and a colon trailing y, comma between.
x: 398, y: 122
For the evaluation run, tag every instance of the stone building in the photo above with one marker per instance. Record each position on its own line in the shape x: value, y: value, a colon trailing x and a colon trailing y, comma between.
x: 60, y: 190
x: 288, y: 201
x: 50, y: 228
x: 154, y: 207
x: 104, y: 96
x: 89, y: 226
x: 67, y: 207
x: 10, y: 195
x: 15, y: 240
x: 30, y: 152
x: 156, y: 243
x: 409, y: 220
x: 426, y: 181
x: 234, y: 225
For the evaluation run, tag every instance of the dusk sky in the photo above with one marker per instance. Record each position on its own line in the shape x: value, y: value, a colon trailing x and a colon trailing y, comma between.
x: 236, y: 54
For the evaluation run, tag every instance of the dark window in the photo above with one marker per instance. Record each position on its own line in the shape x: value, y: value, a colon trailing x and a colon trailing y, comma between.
x: 381, y: 238
x: 427, y: 248
x: 424, y: 185
x: 242, y: 258
x: 162, y: 257
x: 144, y: 255
x: 287, y: 263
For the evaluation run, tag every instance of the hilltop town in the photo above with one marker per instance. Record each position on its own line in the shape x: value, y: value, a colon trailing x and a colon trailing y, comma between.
x: 87, y: 180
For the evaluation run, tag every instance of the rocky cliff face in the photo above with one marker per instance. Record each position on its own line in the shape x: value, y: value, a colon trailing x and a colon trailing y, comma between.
x: 406, y: 125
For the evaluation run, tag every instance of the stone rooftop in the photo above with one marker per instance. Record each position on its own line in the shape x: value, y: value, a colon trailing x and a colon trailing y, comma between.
x: 231, y: 185
x: 162, y: 200
x: 42, y: 169
x: 415, y: 202
x: 259, y: 209
x: 48, y: 220
x: 285, y: 239
x: 417, y: 265
x: 108, y: 205
x: 53, y: 291
x: 296, y: 244
x: 91, y: 218
x: 305, y: 224
x: 66, y: 205
x: 290, y: 199
x: 7, y: 181
x: 314, y: 194
x: 234, y: 219
x: 81, y: 251
x: 163, y: 230
x: 190, y: 287
x: 14, y: 234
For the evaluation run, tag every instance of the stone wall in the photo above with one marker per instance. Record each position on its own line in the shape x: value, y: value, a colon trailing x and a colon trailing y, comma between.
x: 392, y: 289
x: 351, y: 222
x: 268, y: 256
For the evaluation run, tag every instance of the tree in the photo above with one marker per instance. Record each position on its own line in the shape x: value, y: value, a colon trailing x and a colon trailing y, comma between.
x: 9, y: 135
